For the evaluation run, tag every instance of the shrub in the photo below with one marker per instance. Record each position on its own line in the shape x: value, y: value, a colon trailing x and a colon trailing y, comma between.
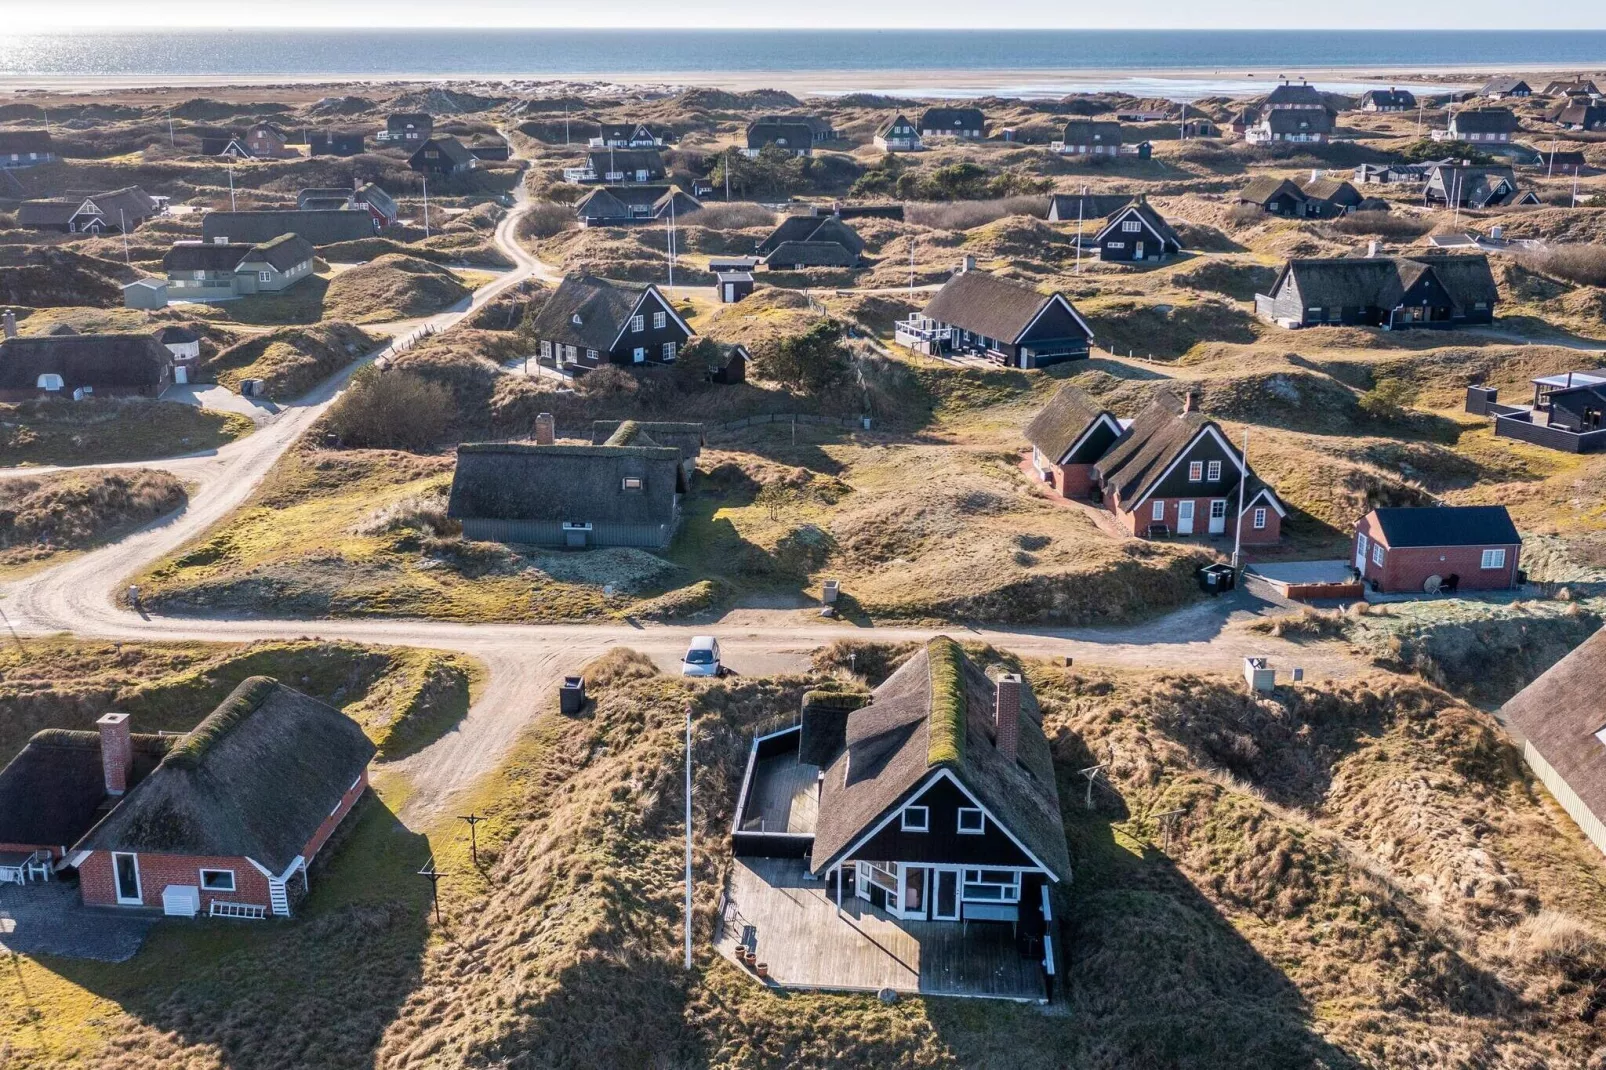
x: 608, y: 381
x: 546, y: 219
x: 967, y: 214
x: 809, y: 362
x: 1383, y: 224
x: 1245, y: 215
x: 1387, y: 400
x: 1581, y: 264
x: 424, y: 513
x: 391, y: 410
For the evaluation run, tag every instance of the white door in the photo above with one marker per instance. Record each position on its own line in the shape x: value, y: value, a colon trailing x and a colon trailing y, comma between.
x: 181, y: 375
x: 730, y: 293
x: 1218, y: 516
x: 1185, y: 518
x: 1137, y: 250
x: 125, y: 872
x: 1360, y: 552
x: 639, y: 355
x: 945, y: 895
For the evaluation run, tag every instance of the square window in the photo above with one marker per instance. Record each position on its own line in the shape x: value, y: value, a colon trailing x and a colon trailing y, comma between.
x: 659, y: 319
x: 1494, y: 558
x: 1213, y: 473
x: 631, y: 483
x: 638, y: 323
x: 1260, y: 519
x: 1377, y: 555
x: 972, y: 821
x: 217, y: 880
x: 915, y: 819
x: 1195, y: 471
x: 1158, y: 512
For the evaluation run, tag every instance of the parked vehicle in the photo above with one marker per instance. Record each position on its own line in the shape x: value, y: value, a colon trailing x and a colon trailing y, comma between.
x: 702, y: 657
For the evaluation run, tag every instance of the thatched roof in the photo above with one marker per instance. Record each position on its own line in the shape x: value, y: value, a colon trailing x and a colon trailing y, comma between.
x: 810, y: 254
x: 988, y: 305
x: 525, y: 481
x: 46, y: 213
x: 1068, y: 207
x: 628, y: 161
x: 1299, y: 121
x: 52, y: 792
x: 936, y: 713
x: 24, y: 141
x: 588, y: 312
x: 1560, y: 714
x: 1333, y: 190
x: 1091, y: 132
x: 1058, y: 425
x: 1504, y: 86
x: 792, y: 131
x: 1289, y: 95
x: 812, y: 228
x: 1262, y: 190
x: 451, y: 149
x: 1389, y: 98
x: 685, y: 437
x: 255, y: 779
x: 205, y: 256
x: 1484, y: 121
x: 282, y: 253
x: 1380, y: 281
x: 1150, y: 218
x: 953, y: 119
x: 324, y: 227
x: 894, y: 120
x: 95, y: 360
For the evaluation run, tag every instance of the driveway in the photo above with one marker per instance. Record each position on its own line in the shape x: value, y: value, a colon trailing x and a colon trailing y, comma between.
x: 220, y: 399
x: 49, y: 919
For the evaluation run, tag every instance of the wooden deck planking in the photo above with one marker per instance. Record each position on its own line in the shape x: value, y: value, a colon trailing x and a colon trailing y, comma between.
x: 784, y: 796
x: 807, y: 945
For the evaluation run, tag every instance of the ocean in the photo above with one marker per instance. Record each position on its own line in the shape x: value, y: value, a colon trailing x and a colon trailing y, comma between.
x: 1030, y: 62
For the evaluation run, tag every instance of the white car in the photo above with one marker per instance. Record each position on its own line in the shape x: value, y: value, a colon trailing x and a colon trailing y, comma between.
x: 702, y: 657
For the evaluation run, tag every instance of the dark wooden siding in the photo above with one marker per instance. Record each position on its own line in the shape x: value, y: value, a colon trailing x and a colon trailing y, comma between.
x: 1054, y: 323
x: 1096, y: 445
x: 1204, y: 449
x: 943, y: 844
x: 650, y: 338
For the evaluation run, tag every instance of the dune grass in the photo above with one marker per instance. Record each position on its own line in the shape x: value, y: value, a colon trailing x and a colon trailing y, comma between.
x: 108, y: 430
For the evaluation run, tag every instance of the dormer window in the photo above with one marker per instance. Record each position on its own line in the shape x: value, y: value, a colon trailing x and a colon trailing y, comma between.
x: 631, y: 483
x: 575, y: 319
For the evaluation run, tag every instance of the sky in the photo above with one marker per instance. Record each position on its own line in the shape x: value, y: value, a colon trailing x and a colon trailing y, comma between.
x: 28, y: 15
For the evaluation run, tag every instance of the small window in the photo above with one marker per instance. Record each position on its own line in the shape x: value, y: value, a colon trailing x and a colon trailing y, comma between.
x: 1260, y: 519
x: 915, y: 819
x: 659, y: 319
x: 669, y: 351
x: 1115, y: 245
x: 1377, y: 554
x: 264, y: 276
x: 217, y: 880
x: 546, y: 349
x: 631, y: 483
x: 1131, y: 226
x: 1158, y: 512
x: 591, y: 354
x: 638, y: 324
x: 1213, y: 473
x: 972, y: 821
x: 1494, y: 559
x: 575, y: 319
x: 1195, y: 471
x: 1316, y: 312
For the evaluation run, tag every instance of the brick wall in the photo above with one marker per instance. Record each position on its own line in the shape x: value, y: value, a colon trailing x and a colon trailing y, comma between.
x: 325, y: 830
x: 98, y: 885
x: 1138, y: 522
x: 55, y: 852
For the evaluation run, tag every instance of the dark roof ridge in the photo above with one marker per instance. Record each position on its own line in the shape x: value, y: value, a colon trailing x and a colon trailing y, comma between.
x: 242, y: 702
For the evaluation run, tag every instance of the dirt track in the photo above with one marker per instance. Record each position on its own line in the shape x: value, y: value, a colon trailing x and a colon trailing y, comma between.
x: 526, y: 661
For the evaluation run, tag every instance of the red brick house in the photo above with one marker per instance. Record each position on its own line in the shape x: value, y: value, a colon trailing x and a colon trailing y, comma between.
x: 1472, y: 547
x: 225, y: 818
x: 1067, y: 437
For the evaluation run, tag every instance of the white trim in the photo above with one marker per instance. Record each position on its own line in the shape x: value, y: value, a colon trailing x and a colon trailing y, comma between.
x: 919, y: 790
x: 906, y: 819
x: 264, y: 870
x: 662, y: 300
x: 1120, y: 217
x: 1208, y: 429
x: 233, y: 882
x: 1271, y: 500
x: 1056, y: 296
x: 959, y: 825
x: 138, y: 898
x: 1103, y: 417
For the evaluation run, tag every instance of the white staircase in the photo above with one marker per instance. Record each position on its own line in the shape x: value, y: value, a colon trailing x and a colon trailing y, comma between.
x: 279, y: 898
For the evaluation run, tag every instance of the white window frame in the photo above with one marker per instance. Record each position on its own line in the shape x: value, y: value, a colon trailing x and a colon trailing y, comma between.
x: 1377, y: 554
x: 1196, y: 471
x: 1494, y: 557
x: 1213, y: 472
x: 632, y: 483
x: 972, y: 881
x: 1260, y: 518
x: 1115, y: 245
x: 1131, y: 226
x: 138, y: 898
x: 1218, y: 509
x: 638, y: 356
x: 1158, y: 511
x: 591, y: 354
x: 883, y: 875
x: 669, y: 351
x: 980, y: 816
x: 205, y: 887
x: 264, y: 276
x: 908, y: 821
x: 659, y: 319
x: 546, y: 349
x: 638, y: 324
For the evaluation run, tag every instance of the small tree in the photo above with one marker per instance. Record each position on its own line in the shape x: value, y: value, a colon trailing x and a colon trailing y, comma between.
x: 807, y: 362
x: 391, y: 410
x: 1387, y: 399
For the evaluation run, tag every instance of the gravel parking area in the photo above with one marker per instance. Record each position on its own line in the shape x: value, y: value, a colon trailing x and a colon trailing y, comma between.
x: 49, y: 919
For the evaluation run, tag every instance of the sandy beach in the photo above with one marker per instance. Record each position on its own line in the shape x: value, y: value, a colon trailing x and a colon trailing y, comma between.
x: 1176, y: 83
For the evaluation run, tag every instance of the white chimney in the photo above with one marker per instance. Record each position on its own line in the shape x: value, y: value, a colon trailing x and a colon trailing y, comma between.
x: 116, y: 751
x: 967, y: 264
x: 1314, y: 174
x: 1373, y: 248
x: 10, y: 324
x: 1006, y: 714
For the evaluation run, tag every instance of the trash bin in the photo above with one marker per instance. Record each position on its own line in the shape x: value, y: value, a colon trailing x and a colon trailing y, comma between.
x: 829, y: 591
x: 572, y: 695
x: 1214, y: 579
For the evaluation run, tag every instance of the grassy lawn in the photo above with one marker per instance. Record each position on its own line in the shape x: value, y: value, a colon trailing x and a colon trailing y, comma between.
x: 107, y: 430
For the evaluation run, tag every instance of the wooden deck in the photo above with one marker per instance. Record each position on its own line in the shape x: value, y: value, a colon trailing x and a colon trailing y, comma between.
x: 807, y: 944
x: 785, y: 796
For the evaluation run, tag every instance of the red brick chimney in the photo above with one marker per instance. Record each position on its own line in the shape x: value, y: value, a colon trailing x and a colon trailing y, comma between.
x: 1006, y: 714
x: 546, y: 429
x: 116, y: 751
x: 1190, y: 401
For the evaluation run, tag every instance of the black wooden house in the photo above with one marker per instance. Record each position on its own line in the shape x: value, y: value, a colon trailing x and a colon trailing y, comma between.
x: 1008, y: 322
x: 1136, y: 233
x: 589, y: 321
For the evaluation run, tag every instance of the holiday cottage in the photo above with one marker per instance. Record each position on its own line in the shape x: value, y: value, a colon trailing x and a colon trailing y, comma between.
x: 898, y: 134
x: 1137, y: 232
x: 1438, y: 548
x: 1008, y: 322
x: 590, y: 321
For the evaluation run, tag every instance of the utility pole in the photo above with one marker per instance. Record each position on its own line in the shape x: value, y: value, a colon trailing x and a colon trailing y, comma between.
x: 1551, y: 167
x: 911, y: 265
x: 475, y: 819
x: 431, y: 874
x: 231, y: 183
x: 671, y: 237
x: 727, y: 176
x: 688, y: 836
x: 171, y: 142
x: 565, y: 126
x: 122, y: 224
x: 1080, y: 201
x: 426, y: 206
x: 1419, y: 106
x: 1238, y: 525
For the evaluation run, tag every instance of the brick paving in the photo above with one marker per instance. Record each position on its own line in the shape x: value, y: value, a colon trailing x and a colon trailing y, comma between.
x: 49, y: 919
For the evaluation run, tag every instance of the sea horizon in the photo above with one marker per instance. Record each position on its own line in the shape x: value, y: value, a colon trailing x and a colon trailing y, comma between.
x: 943, y: 62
